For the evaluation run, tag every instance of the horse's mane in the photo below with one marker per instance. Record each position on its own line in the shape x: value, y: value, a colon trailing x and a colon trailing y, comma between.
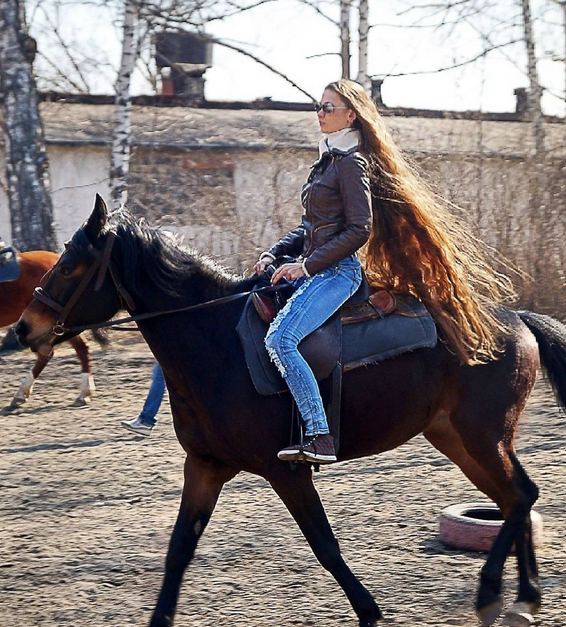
x: 147, y: 256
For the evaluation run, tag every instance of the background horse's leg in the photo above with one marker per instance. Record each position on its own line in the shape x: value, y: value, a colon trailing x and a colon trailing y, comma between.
x: 87, y: 387
x: 10, y: 342
x: 203, y: 484
x: 24, y: 391
x: 296, y: 490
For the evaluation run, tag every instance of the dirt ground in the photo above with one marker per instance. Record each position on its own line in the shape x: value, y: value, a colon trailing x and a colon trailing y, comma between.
x: 87, y: 509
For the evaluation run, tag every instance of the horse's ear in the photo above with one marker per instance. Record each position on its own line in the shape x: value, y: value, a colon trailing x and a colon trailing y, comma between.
x: 97, y: 219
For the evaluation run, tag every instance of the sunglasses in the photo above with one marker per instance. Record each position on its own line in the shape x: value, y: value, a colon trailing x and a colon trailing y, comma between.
x: 326, y: 107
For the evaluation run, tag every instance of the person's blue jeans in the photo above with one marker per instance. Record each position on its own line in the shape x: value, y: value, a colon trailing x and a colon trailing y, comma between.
x: 315, y: 300
x: 154, y: 396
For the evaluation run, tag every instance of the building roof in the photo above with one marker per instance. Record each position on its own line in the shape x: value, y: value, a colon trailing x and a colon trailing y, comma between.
x: 185, y: 127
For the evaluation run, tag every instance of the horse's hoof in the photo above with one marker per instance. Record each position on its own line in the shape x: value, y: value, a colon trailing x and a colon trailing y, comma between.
x: 373, y: 620
x: 81, y: 402
x: 163, y: 621
x: 488, y: 614
x: 520, y: 614
x: 17, y: 402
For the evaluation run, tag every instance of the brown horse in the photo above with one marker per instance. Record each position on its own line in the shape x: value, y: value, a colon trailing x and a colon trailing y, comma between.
x: 470, y: 413
x: 14, y: 298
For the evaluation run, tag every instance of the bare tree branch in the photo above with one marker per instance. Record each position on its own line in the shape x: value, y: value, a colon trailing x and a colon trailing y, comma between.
x: 67, y: 53
x: 312, y: 5
x: 323, y: 54
x: 62, y: 75
x: 451, y: 67
x: 261, y: 62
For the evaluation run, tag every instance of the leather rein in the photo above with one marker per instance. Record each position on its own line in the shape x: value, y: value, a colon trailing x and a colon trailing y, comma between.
x: 102, y: 263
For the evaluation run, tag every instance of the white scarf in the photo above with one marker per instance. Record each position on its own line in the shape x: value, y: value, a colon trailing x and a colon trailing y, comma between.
x: 344, y: 140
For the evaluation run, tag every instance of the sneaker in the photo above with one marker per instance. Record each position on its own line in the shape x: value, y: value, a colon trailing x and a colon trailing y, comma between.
x: 138, y: 426
x: 315, y: 448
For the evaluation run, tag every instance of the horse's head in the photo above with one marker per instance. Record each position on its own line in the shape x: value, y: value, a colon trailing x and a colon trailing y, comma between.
x: 79, y: 289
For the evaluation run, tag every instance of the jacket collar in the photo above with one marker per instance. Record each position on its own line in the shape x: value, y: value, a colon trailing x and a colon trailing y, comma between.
x: 341, y: 142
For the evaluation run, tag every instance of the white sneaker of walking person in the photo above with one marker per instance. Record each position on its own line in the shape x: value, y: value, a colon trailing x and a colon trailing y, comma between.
x: 138, y: 426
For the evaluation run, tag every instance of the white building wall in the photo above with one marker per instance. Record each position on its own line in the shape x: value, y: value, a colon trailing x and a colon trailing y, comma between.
x: 77, y: 174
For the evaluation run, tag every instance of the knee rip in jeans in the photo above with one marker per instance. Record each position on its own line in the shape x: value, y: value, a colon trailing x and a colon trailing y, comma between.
x: 272, y: 352
x: 275, y: 359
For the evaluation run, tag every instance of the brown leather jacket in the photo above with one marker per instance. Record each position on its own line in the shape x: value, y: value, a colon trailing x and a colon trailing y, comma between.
x: 337, y: 219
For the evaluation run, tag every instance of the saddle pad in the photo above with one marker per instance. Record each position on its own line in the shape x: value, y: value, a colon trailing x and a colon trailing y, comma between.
x: 9, y: 265
x: 363, y: 343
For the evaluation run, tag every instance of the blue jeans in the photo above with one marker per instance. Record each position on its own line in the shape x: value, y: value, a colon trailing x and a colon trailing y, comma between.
x: 154, y: 396
x: 315, y: 300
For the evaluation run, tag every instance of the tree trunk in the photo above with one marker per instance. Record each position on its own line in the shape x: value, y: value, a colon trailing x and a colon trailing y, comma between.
x: 345, y: 37
x: 27, y: 167
x: 534, y: 100
x: 564, y: 20
x: 363, y: 77
x: 120, y: 161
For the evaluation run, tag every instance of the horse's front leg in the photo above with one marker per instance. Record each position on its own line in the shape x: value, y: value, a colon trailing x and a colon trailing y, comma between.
x: 24, y: 391
x: 296, y: 490
x: 203, y: 483
x: 87, y: 387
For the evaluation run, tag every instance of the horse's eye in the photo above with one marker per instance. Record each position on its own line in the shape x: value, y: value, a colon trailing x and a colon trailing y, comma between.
x: 66, y: 270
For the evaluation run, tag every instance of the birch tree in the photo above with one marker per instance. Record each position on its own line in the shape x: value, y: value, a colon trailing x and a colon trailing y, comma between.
x: 498, y: 27
x: 345, y: 37
x: 534, y: 95
x: 363, y: 32
x: 344, y: 25
x: 121, y: 142
x: 28, y: 185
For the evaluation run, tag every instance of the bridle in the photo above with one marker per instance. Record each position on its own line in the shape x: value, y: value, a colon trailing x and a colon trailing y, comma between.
x: 102, y: 263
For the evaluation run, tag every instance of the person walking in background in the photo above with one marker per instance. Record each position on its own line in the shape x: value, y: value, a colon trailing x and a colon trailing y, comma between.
x: 144, y: 423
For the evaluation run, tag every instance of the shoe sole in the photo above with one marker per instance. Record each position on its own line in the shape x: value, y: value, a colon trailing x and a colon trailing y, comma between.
x: 145, y: 434
x: 300, y: 456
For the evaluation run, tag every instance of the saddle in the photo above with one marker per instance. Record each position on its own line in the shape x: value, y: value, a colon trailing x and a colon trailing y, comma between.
x: 367, y: 329
x: 9, y: 264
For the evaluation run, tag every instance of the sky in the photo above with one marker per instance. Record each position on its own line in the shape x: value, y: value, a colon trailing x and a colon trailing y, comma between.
x: 293, y: 38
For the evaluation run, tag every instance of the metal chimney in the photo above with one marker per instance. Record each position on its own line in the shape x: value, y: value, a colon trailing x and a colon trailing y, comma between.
x: 182, y: 59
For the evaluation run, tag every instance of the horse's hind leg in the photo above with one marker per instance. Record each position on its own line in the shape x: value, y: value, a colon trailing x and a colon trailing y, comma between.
x: 87, y: 387
x: 296, y: 490
x: 529, y: 597
x: 203, y: 484
x: 26, y: 386
x: 486, y: 424
x: 442, y: 436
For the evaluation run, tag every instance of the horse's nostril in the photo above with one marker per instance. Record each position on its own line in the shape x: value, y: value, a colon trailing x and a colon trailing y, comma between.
x: 22, y: 329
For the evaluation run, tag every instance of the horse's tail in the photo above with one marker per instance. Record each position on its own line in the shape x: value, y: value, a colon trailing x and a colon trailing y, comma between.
x: 551, y: 337
x: 100, y: 336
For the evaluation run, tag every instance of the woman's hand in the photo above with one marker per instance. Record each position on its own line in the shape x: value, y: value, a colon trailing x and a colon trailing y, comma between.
x: 262, y: 264
x: 289, y: 271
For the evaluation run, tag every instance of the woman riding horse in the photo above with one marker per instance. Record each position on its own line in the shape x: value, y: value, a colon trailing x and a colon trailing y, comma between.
x: 415, y: 245
x: 466, y: 403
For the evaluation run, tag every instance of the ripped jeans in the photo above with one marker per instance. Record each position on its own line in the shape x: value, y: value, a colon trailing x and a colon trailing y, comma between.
x: 315, y: 300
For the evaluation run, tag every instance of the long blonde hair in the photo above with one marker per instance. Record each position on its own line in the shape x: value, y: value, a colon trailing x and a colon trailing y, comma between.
x: 419, y: 246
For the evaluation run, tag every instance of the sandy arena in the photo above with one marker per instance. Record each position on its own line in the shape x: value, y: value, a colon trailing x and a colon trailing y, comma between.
x: 87, y: 510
